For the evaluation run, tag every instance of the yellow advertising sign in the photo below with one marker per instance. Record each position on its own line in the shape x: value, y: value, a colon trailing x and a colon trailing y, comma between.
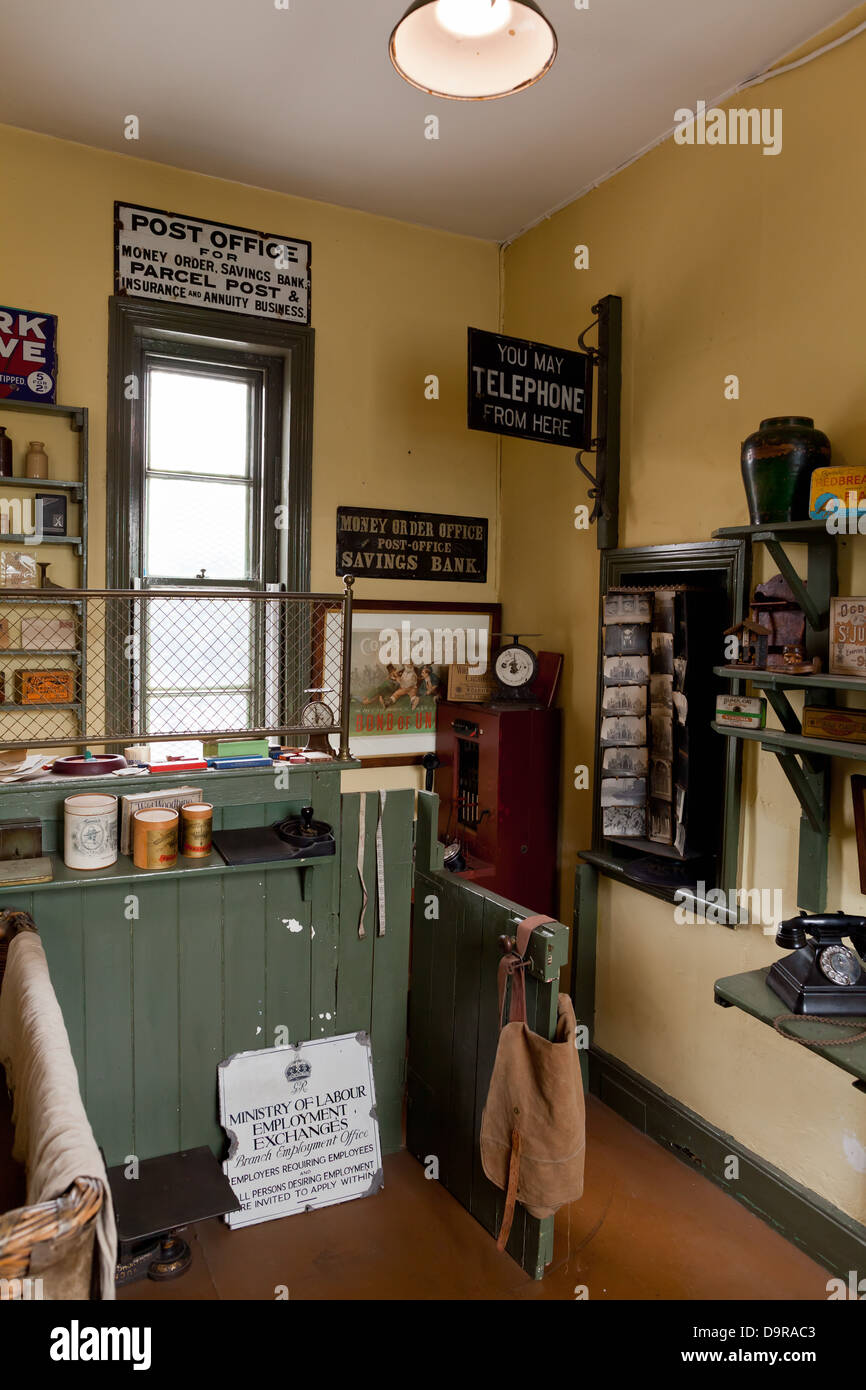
x: 836, y: 490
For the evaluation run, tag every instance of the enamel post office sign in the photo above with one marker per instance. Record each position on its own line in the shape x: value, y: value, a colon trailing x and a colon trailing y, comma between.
x: 529, y: 390
x: 210, y: 265
x: 28, y: 356
x: 302, y: 1127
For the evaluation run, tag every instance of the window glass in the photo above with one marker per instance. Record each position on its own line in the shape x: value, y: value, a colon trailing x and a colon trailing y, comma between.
x: 194, y: 526
x: 197, y: 424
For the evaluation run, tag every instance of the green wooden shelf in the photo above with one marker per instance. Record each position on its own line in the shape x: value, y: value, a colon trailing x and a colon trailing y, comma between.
x: 73, y: 412
x: 615, y: 867
x: 805, y: 761
x: 779, y: 680
x: 67, y: 484
x: 785, y: 530
x: 72, y: 652
x: 815, y: 602
x: 778, y: 741
x: 46, y: 540
x: 39, y: 708
x: 750, y: 993
x: 78, y: 419
x: 124, y: 871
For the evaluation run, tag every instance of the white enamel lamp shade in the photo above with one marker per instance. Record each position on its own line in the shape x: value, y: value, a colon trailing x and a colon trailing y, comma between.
x: 473, y: 50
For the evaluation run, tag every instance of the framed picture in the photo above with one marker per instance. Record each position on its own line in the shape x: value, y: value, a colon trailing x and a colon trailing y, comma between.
x: 400, y: 661
x: 53, y: 513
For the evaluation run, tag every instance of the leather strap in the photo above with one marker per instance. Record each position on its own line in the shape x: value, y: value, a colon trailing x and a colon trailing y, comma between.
x: 362, y: 827
x: 511, y: 1190
x: 513, y: 965
x: 380, y: 863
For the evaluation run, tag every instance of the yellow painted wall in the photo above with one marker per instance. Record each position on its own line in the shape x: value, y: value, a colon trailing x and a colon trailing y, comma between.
x: 728, y: 261
x: 391, y: 303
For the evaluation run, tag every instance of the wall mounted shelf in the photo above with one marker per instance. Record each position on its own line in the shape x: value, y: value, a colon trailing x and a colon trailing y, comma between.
x: 16, y: 604
x: 46, y: 540
x: 749, y: 992
x: 28, y: 709
x: 66, y: 484
x: 71, y: 652
x: 775, y: 739
x: 779, y: 680
x: 805, y: 761
x: 124, y: 871
x: 813, y: 596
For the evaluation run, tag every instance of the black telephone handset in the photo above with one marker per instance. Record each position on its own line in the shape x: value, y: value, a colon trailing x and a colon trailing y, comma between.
x: 823, y: 976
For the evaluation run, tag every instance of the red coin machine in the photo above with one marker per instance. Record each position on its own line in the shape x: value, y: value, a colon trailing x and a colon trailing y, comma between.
x: 498, y: 788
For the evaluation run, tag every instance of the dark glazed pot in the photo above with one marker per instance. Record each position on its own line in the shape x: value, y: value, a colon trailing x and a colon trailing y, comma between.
x: 5, y: 454
x: 778, y: 461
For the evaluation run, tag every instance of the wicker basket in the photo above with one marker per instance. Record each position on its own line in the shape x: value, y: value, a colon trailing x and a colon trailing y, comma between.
x: 52, y: 1241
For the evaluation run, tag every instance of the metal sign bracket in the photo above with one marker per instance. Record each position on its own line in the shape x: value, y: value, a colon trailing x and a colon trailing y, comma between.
x: 607, y: 360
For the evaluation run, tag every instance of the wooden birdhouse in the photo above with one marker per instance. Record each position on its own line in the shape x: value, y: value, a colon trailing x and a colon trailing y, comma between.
x: 752, y: 643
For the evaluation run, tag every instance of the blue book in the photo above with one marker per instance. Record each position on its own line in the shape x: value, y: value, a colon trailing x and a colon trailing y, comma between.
x: 223, y: 763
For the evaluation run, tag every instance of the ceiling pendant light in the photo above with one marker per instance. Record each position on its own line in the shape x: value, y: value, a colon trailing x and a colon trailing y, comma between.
x: 473, y: 50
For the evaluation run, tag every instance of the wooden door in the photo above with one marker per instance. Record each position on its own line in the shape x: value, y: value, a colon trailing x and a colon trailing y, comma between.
x: 454, y: 1031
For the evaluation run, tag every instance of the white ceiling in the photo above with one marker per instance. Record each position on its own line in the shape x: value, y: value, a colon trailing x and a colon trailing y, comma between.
x: 305, y: 100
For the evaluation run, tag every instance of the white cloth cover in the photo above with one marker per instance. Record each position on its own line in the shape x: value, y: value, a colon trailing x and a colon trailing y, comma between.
x: 53, y: 1138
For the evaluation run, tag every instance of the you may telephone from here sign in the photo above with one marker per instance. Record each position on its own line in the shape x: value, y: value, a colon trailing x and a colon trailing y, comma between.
x: 211, y: 265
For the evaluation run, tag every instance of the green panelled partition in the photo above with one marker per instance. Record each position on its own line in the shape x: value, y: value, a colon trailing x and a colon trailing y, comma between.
x: 162, y: 975
x: 454, y: 1032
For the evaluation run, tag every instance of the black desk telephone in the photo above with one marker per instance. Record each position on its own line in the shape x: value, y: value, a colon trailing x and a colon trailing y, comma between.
x: 822, y: 976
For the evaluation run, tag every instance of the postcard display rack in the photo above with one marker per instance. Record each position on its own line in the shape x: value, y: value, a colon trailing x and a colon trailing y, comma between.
x: 646, y: 731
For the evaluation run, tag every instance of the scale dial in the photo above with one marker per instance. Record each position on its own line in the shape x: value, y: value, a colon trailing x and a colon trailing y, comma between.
x: 515, y: 668
x: 317, y: 715
x: 839, y: 965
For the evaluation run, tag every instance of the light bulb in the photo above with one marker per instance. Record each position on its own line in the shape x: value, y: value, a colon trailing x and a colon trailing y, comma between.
x: 472, y: 18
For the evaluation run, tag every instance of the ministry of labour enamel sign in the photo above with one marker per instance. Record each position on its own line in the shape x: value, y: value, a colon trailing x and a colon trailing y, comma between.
x: 210, y: 265
x: 302, y: 1128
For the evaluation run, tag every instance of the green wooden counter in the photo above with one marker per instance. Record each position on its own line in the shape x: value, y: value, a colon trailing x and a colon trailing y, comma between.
x: 749, y: 992
x: 163, y: 974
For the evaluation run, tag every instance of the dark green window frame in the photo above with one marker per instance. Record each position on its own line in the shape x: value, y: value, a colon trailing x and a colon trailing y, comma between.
x: 137, y: 328
x: 730, y: 562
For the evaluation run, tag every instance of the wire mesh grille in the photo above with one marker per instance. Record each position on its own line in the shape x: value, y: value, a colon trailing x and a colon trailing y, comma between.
x: 132, y: 666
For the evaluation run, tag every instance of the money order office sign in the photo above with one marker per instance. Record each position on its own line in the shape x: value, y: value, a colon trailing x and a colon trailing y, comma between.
x: 301, y: 1124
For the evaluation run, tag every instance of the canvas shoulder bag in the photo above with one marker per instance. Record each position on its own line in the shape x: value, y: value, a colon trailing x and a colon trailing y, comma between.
x: 533, y: 1130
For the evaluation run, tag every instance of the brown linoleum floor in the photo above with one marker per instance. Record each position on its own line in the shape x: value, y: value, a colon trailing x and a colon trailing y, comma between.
x: 647, y: 1228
